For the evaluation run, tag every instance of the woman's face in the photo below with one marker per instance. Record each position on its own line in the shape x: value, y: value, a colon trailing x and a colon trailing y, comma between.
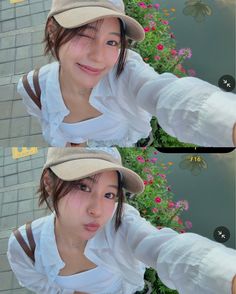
x: 89, y: 205
x: 89, y: 56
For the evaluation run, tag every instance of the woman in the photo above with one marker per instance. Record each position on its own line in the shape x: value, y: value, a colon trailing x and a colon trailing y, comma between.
x: 95, y: 243
x: 98, y: 93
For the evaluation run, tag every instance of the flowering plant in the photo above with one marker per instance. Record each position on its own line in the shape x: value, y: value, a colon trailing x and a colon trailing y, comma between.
x: 156, y: 203
x: 160, y: 51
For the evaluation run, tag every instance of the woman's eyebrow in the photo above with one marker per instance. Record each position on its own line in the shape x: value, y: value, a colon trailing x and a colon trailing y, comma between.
x: 91, y: 27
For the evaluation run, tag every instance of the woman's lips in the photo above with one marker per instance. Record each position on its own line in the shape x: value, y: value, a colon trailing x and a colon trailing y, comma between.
x: 92, y: 227
x: 90, y: 70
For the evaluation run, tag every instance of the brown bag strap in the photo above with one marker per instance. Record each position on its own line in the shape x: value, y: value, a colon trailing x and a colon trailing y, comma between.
x: 29, y: 251
x: 35, y: 98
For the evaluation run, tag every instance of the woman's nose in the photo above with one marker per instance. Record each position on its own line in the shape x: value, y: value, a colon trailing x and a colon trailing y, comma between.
x: 96, y: 51
x: 95, y: 208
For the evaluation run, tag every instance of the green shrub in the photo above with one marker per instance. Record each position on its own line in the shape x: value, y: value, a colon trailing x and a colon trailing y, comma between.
x: 156, y: 203
x: 159, y: 50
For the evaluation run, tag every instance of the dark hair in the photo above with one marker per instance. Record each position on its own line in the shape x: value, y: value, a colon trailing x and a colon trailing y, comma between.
x: 60, y: 188
x: 62, y: 35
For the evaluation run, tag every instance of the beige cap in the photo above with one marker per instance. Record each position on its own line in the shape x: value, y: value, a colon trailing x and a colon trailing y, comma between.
x: 74, y: 163
x: 75, y: 13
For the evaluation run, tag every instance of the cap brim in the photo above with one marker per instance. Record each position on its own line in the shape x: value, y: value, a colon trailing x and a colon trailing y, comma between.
x: 83, y: 15
x: 82, y: 168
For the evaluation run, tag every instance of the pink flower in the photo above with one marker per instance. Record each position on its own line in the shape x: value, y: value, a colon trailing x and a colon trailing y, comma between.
x: 192, y: 72
x: 158, y: 200
x: 160, y: 47
x: 149, y: 6
x: 150, y: 177
x: 165, y: 22
x: 180, y: 222
x: 188, y: 224
x: 171, y: 204
x: 172, y: 36
x: 146, y: 59
x: 168, y: 188
x: 154, y: 159
x: 157, y: 6
x: 182, y: 203
x: 145, y: 183
x: 162, y: 176
x: 155, y: 152
x: 157, y: 57
x: 154, y: 210
x: 185, y: 52
x: 142, y: 5
x: 182, y: 231
x: 146, y: 29
x: 173, y: 52
x: 150, y: 182
x: 140, y: 159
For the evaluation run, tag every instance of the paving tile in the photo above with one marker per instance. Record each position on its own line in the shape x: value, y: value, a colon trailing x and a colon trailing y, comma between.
x: 8, y: 159
x: 8, y: 222
x: 3, y: 245
x: 23, y: 65
x: 23, y: 22
x: 7, y: 14
x: 9, y: 25
x: 38, y: 19
x: 9, y: 209
x: 5, y: 109
x: 7, y: 55
x: 41, y: 213
x: 20, y: 127
x: 25, y: 205
x: 37, y: 37
x: 19, y: 141
x: 36, y: 7
x: 40, y: 61
x: 19, y: 109
x: 24, y: 218
x: 22, y: 10
x: 8, y: 42
x: 25, y: 177
x: 10, y: 180
x: 37, y: 50
x: 7, y: 68
x: 23, y: 39
x: 25, y: 165
x: 5, y: 280
x: 35, y: 127
x: 10, y: 169
x: 10, y: 196
x: 4, y: 129
x: 4, y: 263
x: 6, y: 92
x: 37, y: 141
x: 38, y: 162
x: 26, y: 193
x: 23, y: 52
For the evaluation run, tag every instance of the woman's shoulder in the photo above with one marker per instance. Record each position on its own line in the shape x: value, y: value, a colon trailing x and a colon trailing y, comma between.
x: 36, y: 226
x: 44, y: 73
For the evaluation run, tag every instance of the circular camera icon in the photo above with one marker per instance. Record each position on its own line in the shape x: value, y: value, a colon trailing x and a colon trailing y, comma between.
x: 227, y: 83
x: 221, y: 234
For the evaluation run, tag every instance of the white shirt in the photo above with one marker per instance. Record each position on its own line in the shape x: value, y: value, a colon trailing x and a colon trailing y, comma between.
x: 187, y: 108
x: 186, y: 262
x: 95, y: 281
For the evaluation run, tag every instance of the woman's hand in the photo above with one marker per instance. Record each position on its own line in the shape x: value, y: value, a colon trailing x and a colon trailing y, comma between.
x: 234, y: 285
x: 234, y: 135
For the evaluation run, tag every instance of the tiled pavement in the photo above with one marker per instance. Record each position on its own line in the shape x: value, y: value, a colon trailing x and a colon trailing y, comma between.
x: 18, y: 204
x: 21, y: 50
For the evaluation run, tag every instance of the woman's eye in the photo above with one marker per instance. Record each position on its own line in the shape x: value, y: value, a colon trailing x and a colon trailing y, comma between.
x: 84, y: 188
x: 113, y: 43
x: 110, y: 195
